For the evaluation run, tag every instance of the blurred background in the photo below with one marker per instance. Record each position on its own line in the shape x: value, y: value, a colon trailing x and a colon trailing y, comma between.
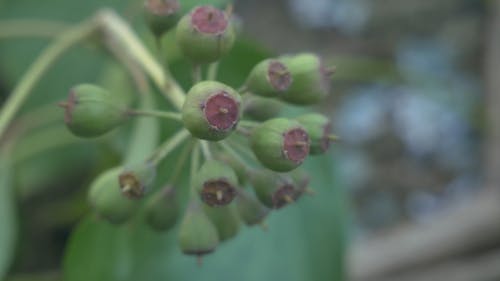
x: 416, y: 103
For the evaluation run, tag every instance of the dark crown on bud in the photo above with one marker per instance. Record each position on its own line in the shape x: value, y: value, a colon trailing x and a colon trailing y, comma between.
x: 269, y: 78
x: 161, y: 15
x: 205, y: 34
x: 280, y: 144
x: 211, y: 110
x: 319, y: 129
x: 216, y: 182
x: 135, y: 180
x: 107, y: 200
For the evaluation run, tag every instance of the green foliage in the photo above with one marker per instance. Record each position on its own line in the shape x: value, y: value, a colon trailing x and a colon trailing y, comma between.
x: 8, y: 217
x: 304, y: 242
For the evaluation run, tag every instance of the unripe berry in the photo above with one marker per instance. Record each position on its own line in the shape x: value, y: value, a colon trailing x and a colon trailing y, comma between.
x: 108, y: 201
x: 259, y: 108
x: 273, y: 190
x: 301, y: 180
x: 319, y: 129
x: 205, y: 34
x: 91, y: 111
x: 225, y: 220
x: 250, y: 209
x: 269, y: 78
x: 161, y: 15
x: 311, y: 79
x: 135, y: 180
x: 280, y: 144
x: 216, y: 182
x: 162, y: 210
x: 211, y: 110
x: 197, y: 234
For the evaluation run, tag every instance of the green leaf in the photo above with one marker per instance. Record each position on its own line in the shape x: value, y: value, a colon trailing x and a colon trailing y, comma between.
x: 8, y: 219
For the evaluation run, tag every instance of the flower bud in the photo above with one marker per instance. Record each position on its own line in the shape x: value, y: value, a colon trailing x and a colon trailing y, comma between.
x: 269, y: 78
x: 135, y: 180
x: 197, y: 234
x: 300, y: 180
x: 216, y: 182
x: 225, y: 220
x: 211, y: 110
x: 161, y: 15
x: 205, y: 34
x: 311, y: 79
x: 250, y: 209
x: 319, y: 128
x: 280, y: 144
x: 260, y: 108
x: 273, y: 190
x: 108, y: 201
x: 91, y: 111
x: 162, y: 210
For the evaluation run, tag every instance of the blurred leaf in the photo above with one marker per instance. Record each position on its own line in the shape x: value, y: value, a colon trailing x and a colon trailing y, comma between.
x: 8, y: 227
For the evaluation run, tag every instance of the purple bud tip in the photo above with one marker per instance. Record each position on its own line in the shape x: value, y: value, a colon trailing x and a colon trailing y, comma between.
x: 325, y: 140
x: 162, y: 7
x: 217, y: 192
x: 221, y: 111
x: 130, y: 185
x: 207, y: 19
x: 296, y: 145
x: 279, y: 76
x: 284, y: 195
x: 68, y: 106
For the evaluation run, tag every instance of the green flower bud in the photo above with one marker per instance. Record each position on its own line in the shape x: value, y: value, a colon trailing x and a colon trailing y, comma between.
x: 311, y: 80
x: 273, y: 190
x: 319, y: 129
x: 162, y: 210
x: 205, y: 34
x: 161, y: 15
x: 135, y: 180
x: 197, y: 234
x: 250, y: 209
x: 108, y: 201
x: 225, y: 220
x: 239, y: 168
x: 91, y: 111
x: 269, y: 78
x: 211, y: 110
x: 216, y: 182
x: 280, y: 144
x: 300, y: 180
x: 259, y: 108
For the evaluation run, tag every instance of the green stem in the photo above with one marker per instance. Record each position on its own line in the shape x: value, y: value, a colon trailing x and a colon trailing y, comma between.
x: 168, y: 146
x: 116, y: 29
x: 157, y: 113
x: 39, y: 67
x: 195, y: 163
x: 196, y: 73
x: 181, y: 161
x: 233, y: 153
x: 243, y: 149
x: 212, y: 71
x: 206, y: 149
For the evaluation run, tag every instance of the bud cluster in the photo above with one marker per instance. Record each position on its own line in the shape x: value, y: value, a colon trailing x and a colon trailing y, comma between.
x: 251, y: 154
